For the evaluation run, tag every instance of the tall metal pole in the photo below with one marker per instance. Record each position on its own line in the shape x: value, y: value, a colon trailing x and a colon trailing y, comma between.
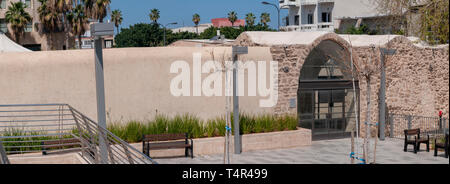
x: 164, y: 36
x: 165, y: 27
x: 382, y: 99
x: 278, y: 9
x: 237, y: 140
x: 100, y: 88
x: 237, y: 137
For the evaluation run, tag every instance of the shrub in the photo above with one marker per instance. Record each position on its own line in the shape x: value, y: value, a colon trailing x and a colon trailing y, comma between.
x: 196, y: 128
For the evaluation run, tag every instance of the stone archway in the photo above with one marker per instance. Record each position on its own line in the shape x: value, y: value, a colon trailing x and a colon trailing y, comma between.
x: 325, y: 95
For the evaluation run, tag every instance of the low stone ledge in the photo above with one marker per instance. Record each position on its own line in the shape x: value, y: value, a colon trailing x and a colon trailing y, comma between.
x: 38, y: 158
x: 250, y: 142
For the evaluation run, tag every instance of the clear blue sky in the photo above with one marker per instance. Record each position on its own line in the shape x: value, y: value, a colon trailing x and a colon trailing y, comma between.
x: 181, y: 11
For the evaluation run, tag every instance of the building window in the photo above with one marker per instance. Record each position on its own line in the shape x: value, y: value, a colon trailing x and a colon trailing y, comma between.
x: 3, y: 26
x: 286, y: 20
x: 28, y: 3
x: 326, y: 17
x: 29, y: 27
x: 2, y: 4
x: 297, y: 20
x: 310, y: 18
x: 108, y: 44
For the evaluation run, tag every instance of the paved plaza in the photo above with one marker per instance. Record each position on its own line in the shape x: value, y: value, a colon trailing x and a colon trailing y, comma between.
x: 320, y: 152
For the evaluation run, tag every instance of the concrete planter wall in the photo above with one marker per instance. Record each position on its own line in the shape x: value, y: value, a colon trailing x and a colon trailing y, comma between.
x: 202, y: 146
x: 250, y: 142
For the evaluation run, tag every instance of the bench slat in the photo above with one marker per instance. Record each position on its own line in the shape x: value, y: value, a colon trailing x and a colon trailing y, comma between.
x: 412, y: 132
x: 163, y: 137
x: 169, y: 145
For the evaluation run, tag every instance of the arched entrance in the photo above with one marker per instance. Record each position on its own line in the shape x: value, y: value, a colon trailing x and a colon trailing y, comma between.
x: 325, y: 94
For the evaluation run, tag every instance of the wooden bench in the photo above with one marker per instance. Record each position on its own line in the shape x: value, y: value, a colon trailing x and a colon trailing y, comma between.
x: 71, y: 143
x: 442, y: 146
x: 167, y: 141
x: 417, y: 140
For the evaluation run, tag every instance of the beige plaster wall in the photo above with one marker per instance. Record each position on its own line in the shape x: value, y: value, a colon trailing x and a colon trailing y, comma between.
x: 137, y: 81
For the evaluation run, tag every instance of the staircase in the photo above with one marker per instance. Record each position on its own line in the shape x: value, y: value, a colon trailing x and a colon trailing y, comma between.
x: 24, y: 128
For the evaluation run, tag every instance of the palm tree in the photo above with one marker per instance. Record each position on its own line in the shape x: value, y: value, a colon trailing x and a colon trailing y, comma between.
x: 196, y: 20
x: 232, y: 17
x: 63, y: 7
x: 18, y: 18
x: 250, y: 19
x: 265, y: 18
x: 78, y: 21
x: 100, y: 9
x: 154, y: 15
x: 89, y: 7
x: 49, y: 18
x: 116, y: 17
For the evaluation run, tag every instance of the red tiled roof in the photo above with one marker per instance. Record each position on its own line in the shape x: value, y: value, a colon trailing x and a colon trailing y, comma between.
x: 224, y: 22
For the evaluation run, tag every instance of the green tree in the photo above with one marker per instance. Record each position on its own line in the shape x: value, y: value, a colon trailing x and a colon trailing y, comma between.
x: 18, y: 18
x: 154, y: 15
x: 363, y: 29
x: 196, y: 20
x: 232, y: 17
x: 435, y: 22
x: 140, y: 35
x: 232, y: 33
x: 250, y: 19
x: 100, y: 9
x: 116, y: 17
x: 149, y: 35
x: 209, y: 33
x: 78, y: 21
x: 265, y: 18
x: 397, y: 11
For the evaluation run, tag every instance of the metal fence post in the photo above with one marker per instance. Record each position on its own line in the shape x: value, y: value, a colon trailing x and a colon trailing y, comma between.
x: 391, y: 124
x: 409, y: 118
x: 444, y: 129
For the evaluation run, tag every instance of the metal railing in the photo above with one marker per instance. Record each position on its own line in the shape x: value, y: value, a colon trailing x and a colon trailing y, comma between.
x: 24, y: 129
x: 433, y: 126
x: 3, y: 157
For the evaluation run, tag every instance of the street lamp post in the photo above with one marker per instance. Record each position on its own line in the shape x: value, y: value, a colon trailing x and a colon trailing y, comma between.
x: 165, y: 27
x: 278, y: 9
x: 98, y: 30
x: 384, y: 53
x: 236, y: 51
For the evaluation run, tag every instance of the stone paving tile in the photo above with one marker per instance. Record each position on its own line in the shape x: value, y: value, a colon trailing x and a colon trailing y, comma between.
x: 320, y: 152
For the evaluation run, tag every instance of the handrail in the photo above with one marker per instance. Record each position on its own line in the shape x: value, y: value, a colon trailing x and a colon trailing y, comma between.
x: 3, y: 157
x: 22, y: 131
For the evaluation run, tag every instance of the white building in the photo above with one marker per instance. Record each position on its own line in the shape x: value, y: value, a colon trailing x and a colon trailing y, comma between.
x: 193, y: 29
x: 87, y: 40
x: 324, y: 15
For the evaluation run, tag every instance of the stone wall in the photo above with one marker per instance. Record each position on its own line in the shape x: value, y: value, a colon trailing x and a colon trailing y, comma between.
x: 417, y: 78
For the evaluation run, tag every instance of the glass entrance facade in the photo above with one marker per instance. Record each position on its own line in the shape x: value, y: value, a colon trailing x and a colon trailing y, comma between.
x: 326, y: 95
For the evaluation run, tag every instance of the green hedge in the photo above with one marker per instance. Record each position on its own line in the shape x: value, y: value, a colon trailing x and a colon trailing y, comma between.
x: 133, y: 130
